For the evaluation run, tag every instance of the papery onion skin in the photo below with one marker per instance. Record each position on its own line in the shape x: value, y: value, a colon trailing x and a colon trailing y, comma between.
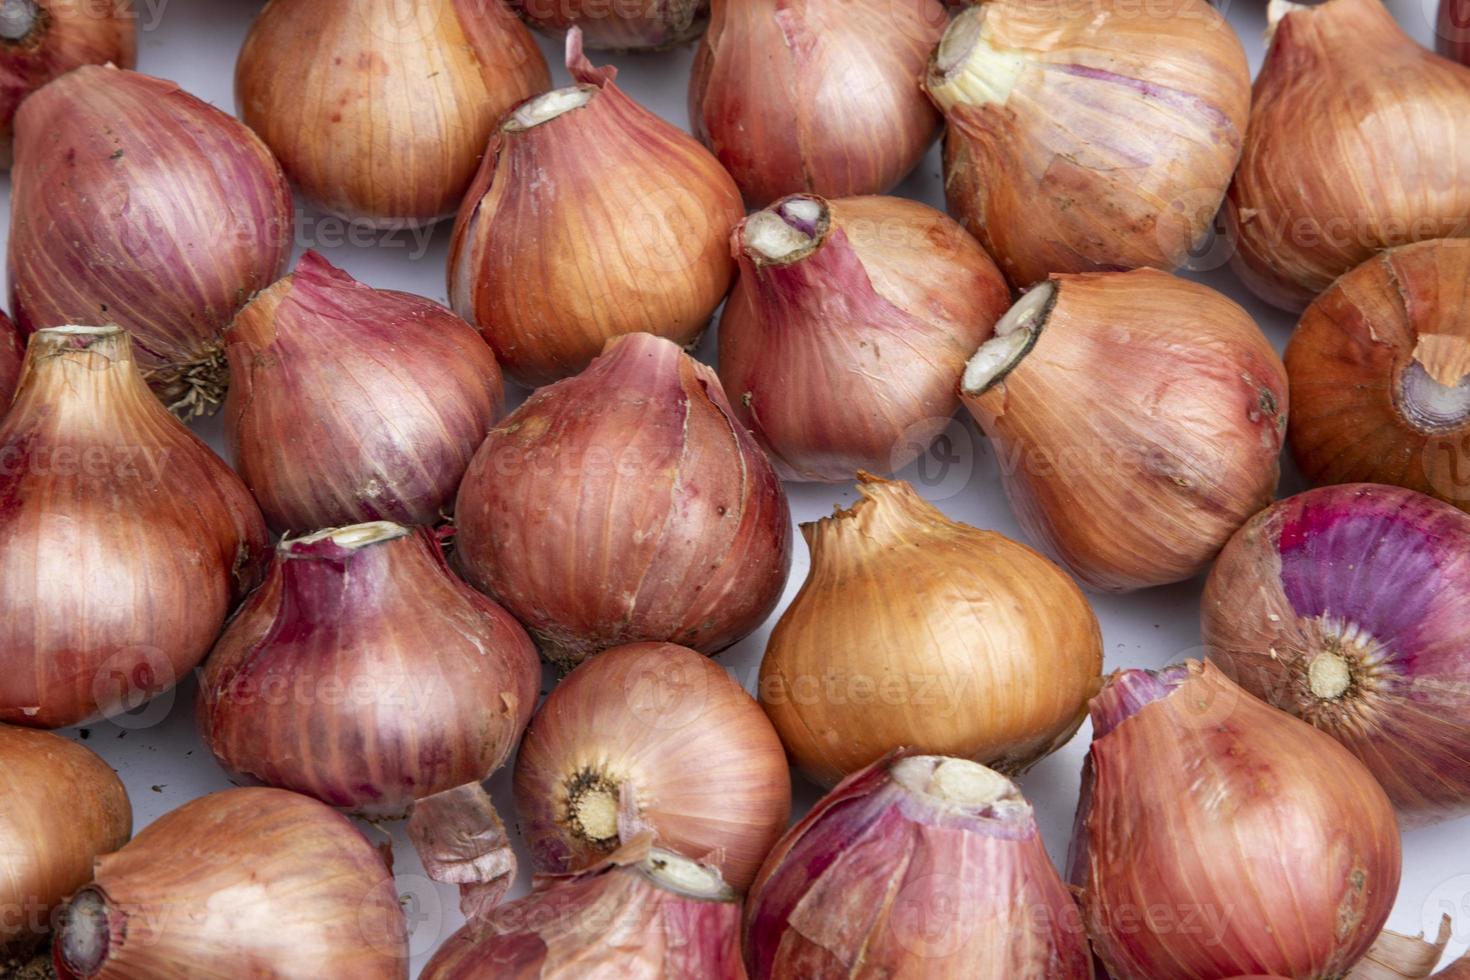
x: 652, y: 736
x: 12, y: 356
x: 626, y: 504
x: 46, y: 38
x: 245, y: 882
x: 379, y: 111
x: 1380, y: 374
x: 847, y: 357
x: 136, y: 204
x: 978, y: 648
x: 1452, y: 39
x: 625, y: 25
x: 351, y: 404
x: 1357, y: 142
x: 822, y: 97
x: 1349, y: 607
x: 1141, y: 477
x: 124, y: 541
x: 439, y: 681
x: 915, y: 866
x: 602, y: 221
x: 1194, y: 794
x: 47, y: 856
x: 1089, y: 137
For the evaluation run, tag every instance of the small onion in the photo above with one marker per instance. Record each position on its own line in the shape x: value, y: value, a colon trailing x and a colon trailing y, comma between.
x: 844, y: 341
x: 1453, y: 41
x: 12, y: 355
x: 124, y: 542
x: 821, y: 97
x: 1138, y: 418
x: 626, y: 504
x: 652, y: 737
x: 590, y: 218
x: 916, y: 631
x: 917, y: 866
x: 620, y: 25
x: 246, y: 882
x: 1219, y: 837
x: 351, y: 404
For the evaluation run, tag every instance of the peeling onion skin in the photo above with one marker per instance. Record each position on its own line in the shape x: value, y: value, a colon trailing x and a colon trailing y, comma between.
x: 12, y: 356
x: 1090, y: 137
x: 848, y: 357
x: 897, y: 873
x: 819, y: 97
x: 1343, y: 85
x: 1452, y: 40
x: 379, y: 111
x: 352, y: 404
x: 602, y: 221
x: 59, y: 35
x: 1139, y: 479
x: 1297, y: 611
x: 916, y: 631
x: 124, y: 540
x: 1380, y: 374
x: 43, y: 776
x: 242, y: 883
x: 627, y: 25
x: 626, y: 504
x: 1194, y: 794
x: 652, y: 737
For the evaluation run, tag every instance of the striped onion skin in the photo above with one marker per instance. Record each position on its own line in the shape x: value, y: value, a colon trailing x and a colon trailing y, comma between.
x: 627, y: 25
x: 12, y: 355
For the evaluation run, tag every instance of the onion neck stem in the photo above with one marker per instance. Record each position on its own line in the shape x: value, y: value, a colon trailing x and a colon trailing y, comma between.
x: 1015, y: 336
x: 18, y: 19
x: 85, y: 939
x: 1429, y: 405
x: 787, y: 231
x: 968, y: 69
x: 677, y: 874
x: 545, y: 108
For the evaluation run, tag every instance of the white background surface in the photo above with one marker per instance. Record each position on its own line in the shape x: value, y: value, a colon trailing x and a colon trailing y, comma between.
x: 194, y: 42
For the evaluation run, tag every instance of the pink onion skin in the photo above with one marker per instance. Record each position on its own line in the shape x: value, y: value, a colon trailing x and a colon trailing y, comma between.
x: 352, y: 404
x: 1365, y: 586
x: 1194, y: 793
x: 626, y: 504
x: 1452, y: 40
x: 386, y: 622
x: 628, y: 25
x: 12, y: 356
x: 884, y: 312
x: 821, y: 97
x: 137, y: 204
x: 124, y: 540
x: 881, y: 879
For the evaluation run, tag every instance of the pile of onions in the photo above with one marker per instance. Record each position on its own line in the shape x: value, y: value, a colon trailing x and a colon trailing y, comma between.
x: 1349, y: 607
x: 626, y: 504
x: 12, y: 355
x: 1138, y: 418
x: 1357, y: 142
x: 1380, y: 374
x: 124, y: 543
x: 915, y: 866
x: 248, y: 881
x: 353, y: 404
x: 380, y: 111
x: 625, y: 228
x: 624, y: 25
x: 1089, y: 136
x: 916, y: 631
x: 652, y: 737
x: 63, y: 806
x: 1196, y: 795
x: 849, y: 328
x: 42, y: 39
x: 136, y: 204
x: 821, y: 98
x: 1453, y: 41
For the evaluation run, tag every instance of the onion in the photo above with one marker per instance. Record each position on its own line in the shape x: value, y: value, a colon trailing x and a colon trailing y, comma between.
x: 1089, y: 136
x: 246, y: 882
x: 623, y: 229
x: 1138, y: 418
x: 623, y: 25
x: 1219, y: 837
x: 1346, y: 607
x: 1453, y: 41
x: 353, y: 404
x: 380, y: 111
x: 1358, y: 141
x: 124, y: 542
x: 42, y: 777
x: 849, y: 328
x: 626, y: 504
x: 915, y: 866
x: 821, y: 97
x: 916, y: 631
x: 651, y: 737
x: 12, y: 355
